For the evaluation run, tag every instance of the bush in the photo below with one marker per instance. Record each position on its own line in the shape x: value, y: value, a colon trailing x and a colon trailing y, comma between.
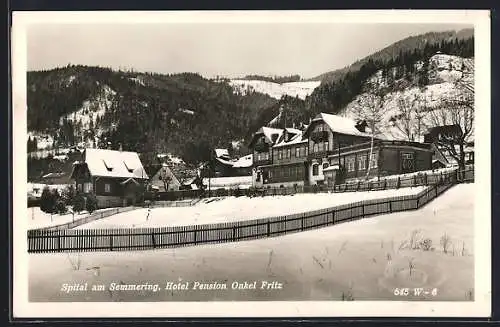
x: 68, y: 195
x: 91, y: 203
x: 61, y: 207
x: 48, y: 200
x: 78, y: 203
x: 237, y: 192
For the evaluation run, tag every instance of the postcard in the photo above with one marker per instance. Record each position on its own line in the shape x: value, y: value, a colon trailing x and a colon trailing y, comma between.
x: 251, y: 164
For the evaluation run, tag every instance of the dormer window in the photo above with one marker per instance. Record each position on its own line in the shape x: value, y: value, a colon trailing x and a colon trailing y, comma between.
x: 129, y: 169
x: 108, y: 165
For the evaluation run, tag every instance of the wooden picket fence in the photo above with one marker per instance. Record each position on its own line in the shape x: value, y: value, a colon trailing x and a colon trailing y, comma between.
x: 168, y: 237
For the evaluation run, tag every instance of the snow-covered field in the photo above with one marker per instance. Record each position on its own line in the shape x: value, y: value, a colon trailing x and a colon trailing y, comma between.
x: 275, y: 90
x: 238, y: 208
x: 39, y: 219
x: 361, y: 260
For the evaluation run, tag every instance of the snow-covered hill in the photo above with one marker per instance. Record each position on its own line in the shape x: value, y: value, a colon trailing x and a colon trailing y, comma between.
x: 275, y: 90
x: 449, y: 78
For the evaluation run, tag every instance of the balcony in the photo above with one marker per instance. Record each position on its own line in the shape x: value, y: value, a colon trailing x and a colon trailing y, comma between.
x: 319, y: 136
x: 319, y: 154
x: 262, y: 162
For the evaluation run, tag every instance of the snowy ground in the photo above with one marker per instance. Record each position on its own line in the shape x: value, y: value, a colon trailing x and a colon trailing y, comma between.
x: 239, y: 208
x: 39, y: 219
x: 362, y: 260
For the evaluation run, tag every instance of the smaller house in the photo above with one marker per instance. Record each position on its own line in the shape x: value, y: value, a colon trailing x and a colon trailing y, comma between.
x: 116, y: 178
x: 168, y: 177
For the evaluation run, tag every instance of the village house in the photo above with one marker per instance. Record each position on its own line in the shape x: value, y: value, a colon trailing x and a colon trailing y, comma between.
x: 116, y: 178
x: 168, y: 177
x: 332, y: 149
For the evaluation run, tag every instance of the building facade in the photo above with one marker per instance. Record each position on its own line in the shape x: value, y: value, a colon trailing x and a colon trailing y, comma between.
x: 331, y: 150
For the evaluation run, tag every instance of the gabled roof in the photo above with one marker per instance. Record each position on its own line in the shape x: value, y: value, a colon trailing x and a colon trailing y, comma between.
x: 338, y: 124
x: 111, y: 163
x: 296, y: 139
x: 243, y: 162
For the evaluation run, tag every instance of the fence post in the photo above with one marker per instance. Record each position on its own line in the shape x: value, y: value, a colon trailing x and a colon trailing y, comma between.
x: 398, y: 184
x: 110, y: 242
x: 385, y: 184
x: 302, y: 223
x: 390, y: 206
x: 414, y: 180
x: 234, y: 233
x: 153, y: 239
x: 425, y: 179
x: 268, y: 228
x: 59, y: 240
x: 194, y: 236
x: 363, y: 210
x: 333, y: 217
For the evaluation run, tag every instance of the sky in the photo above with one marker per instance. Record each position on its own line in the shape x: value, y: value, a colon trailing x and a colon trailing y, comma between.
x: 212, y: 49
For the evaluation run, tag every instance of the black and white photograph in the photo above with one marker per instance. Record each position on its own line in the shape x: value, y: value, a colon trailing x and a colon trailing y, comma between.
x: 299, y: 163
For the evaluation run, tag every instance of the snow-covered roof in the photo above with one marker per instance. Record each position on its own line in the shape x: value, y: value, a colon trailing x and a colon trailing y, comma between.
x: 339, y: 124
x: 334, y: 167
x: 296, y: 139
x: 243, y: 162
x: 269, y: 131
x: 111, y: 163
x: 221, y: 153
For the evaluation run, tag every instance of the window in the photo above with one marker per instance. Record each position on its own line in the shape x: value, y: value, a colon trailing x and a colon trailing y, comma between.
x: 87, y: 187
x: 350, y: 164
x: 362, y: 162
x: 326, y: 146
x: 315, y: 170
x: 280, y: 154
x: 288, y: 153
x: 259, y: 175
x: 107, y: 188
x: 297, y: 152
x: 258, y: 157
x: 374, y: 161
x: 79, y: 187
x: 325, y: 165
x: 320, y: 148
x: 407, y: 161
x: 108, y: 165
x: 315, y: 147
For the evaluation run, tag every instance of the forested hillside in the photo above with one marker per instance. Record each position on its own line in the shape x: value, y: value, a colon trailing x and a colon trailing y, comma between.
x: 184, y: 114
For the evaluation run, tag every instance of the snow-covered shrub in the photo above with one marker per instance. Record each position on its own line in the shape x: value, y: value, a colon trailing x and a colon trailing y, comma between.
x: 78, y: 203
x: 91, y: 203
x: 48, y: 200
x: 68, y: 194
x: 60, y: 207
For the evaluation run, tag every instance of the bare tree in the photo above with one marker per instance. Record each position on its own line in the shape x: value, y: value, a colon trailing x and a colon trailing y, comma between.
x: 458, y: 114
x: 370, y: 108
x: 166, y: 177
x: 408, y: 122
